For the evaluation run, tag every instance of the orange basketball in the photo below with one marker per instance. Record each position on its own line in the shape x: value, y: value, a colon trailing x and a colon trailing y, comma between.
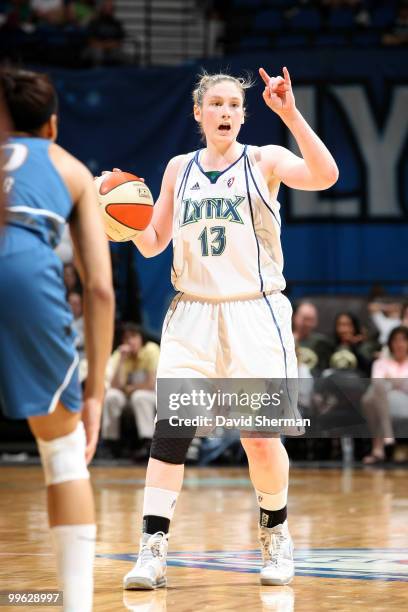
x: 126, y: 205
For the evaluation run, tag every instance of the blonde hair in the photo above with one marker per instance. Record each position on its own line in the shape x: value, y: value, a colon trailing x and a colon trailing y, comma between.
x: 205, y: 81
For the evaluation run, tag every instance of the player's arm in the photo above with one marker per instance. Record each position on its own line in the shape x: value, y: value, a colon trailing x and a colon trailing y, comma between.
x: 316, y: 169
x: 94, y: 266
x: 156, y: 237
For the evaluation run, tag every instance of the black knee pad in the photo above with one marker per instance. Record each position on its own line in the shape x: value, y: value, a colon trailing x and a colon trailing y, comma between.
x: 169, y: 449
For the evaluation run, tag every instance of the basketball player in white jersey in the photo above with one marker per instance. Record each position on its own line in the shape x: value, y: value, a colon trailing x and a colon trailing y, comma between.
x: 229, y: 319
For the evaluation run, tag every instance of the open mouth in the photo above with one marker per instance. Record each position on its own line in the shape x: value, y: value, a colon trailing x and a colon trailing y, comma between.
x: 224, y: 127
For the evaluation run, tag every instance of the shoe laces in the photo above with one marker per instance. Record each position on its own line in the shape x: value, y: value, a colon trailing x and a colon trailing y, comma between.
x: 152, y: 547
x: 272, y: 544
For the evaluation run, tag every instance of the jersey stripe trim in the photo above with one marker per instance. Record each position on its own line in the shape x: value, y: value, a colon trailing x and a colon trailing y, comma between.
x: 261, y: 196
x: 252, y: 220
x: 64, y: 384
x: 185, y: 176
x: 282, y: 344
x: 279, y: 332
x: 42, y: 212
x: 172, y: 314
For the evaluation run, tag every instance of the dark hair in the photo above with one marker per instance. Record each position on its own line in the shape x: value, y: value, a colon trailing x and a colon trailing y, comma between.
x: 404, y: 307
x: 30, y: 98
x: 134, y: 329
x: 353, y: 319
x: 401, y: 329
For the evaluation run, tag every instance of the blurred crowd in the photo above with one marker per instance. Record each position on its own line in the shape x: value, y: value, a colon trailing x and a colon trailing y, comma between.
x: 84, y: 33
x: 64, y: 32
x: 357, y: 373
x: 244, y: 25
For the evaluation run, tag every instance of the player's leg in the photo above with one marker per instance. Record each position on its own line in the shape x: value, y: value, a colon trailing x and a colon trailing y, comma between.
x: 164, y: 479
x: 274, y: 360
x: 61, y: 441
x: 269, y: 472
x: 189, y: 326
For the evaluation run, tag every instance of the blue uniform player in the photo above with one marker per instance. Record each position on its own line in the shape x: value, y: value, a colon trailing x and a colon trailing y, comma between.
x: 45, y: 187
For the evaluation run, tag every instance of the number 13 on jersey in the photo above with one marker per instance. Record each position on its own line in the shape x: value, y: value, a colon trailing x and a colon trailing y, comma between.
x: 217, y: 238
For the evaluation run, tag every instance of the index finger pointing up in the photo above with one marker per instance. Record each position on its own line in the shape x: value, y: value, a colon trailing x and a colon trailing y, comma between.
x: 264, y: 75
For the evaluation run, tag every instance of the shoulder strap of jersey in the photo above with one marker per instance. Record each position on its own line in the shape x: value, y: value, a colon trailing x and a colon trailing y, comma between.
x: 184, y: 171
x: 254, y: 154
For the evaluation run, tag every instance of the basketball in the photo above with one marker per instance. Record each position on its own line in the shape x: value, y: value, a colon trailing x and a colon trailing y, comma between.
x: 126, y: 205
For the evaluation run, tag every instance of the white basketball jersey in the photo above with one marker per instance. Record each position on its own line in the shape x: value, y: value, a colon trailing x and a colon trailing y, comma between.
x: 226, y: 232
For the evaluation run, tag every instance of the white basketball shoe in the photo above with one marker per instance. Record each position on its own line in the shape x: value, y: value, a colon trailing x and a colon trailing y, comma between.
x: 277, y: 555
x: 149, y: 572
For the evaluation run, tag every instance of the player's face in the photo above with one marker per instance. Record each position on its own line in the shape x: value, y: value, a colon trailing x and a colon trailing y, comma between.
x: 222, y: 112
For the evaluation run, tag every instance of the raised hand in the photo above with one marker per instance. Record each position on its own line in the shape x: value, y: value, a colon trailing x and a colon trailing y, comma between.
x: 278, y: 94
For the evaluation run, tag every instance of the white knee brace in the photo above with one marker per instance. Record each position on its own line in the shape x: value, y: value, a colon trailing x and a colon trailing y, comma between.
x: 63, y: 458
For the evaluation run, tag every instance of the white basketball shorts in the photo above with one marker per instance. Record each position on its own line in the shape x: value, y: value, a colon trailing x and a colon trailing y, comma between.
x: 245, y: 338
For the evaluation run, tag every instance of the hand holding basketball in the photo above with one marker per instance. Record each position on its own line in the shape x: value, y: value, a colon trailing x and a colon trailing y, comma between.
x: 119, y: 170
x: 126, y: 204
x: 278, y: 94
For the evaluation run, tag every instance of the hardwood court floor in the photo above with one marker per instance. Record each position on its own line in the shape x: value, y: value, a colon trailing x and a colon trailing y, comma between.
x: 350, y: 529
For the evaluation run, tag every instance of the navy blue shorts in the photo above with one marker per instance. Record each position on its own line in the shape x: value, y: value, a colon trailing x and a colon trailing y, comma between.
x: 38, y: 360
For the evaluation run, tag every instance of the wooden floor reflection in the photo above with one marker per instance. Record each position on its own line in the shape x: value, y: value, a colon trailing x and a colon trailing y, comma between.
x: 350, y: 529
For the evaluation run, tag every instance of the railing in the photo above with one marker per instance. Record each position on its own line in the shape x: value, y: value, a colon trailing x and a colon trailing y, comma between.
x: 164, y: 31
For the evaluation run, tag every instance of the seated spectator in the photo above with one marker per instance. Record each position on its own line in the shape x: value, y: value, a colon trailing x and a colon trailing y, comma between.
x: 50, y: 12
x: 305, y: 385
x: 75, y: 301
x: 385, y: 317
x: 106, y: 35
x: 314, y: 349
x: 131, y: 374
x: 398, y: 34
x: 17, y: 14
x: 387, y: 395
x: 351, y: 344
x: 404, y: 314
x: 80, y: 12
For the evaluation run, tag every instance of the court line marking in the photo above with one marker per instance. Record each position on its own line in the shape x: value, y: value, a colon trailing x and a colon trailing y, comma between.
x: 322, y: 562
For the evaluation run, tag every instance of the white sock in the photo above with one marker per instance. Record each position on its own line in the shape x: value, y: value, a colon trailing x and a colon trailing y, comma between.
x: 159, y: 502
x: 74, y: 548
x: 272, y: 501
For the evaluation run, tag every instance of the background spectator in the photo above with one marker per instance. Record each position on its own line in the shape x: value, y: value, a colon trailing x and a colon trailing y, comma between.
x: 71, y: 278
x: 387, y: 395
x: 398, y: 33
x: 17, y: 14
x: 75, y: 301
x: 80, y: 12
x: 106, y: 35
x: 132, y: 377
x: 314, y: 349
x: 351, y: 344
x: 48, y: 11
x: 385, y: 317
